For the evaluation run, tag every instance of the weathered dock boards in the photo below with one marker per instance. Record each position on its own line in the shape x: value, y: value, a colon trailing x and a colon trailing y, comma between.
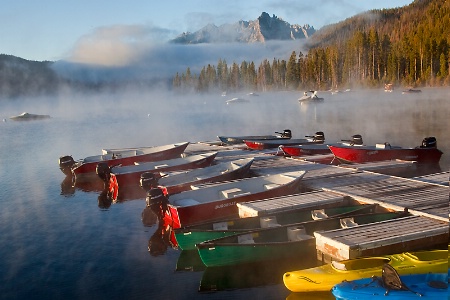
x: 393, y: 236
x: 290, y: 203
x: 441, y: 178
x: 391, y: 192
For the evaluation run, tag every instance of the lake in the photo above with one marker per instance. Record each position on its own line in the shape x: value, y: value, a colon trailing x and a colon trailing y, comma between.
x: 57, y: 243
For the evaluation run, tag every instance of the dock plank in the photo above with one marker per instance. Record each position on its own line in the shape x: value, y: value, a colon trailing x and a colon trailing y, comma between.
x: 380, y: 238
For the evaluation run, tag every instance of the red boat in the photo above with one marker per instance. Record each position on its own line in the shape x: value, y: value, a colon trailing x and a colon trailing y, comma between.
x: 302, y: 150
x: 427, y: 153
x: 318, y: 138
x: 84, y: 170
x: 218, y: 201
x: 131, y: 175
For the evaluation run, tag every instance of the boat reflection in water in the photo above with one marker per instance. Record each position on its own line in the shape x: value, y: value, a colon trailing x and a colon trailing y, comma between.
x: 189, y: 260
x: 67, y: 187
x: 251, y: 275
x: 160, y: 240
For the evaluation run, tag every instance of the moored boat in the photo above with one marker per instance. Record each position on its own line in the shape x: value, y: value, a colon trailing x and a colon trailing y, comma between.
x: 218, y: 201
x: 231, y: 140
x: 425, y: 153
x: 323, y: 278
x: 309, y: 97
x: 188, y: 237
x: 303, y: 150
x: 394, y: 286
x: 222, y: 171
x: 313, y: 149
x: 29, y: 117
x: 277, y: 242
x: 84, y: 169
x: 318, y: 138
x: 131, y: 175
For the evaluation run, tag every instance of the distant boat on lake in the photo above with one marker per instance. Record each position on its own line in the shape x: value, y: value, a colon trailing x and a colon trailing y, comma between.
x: 28, y: 117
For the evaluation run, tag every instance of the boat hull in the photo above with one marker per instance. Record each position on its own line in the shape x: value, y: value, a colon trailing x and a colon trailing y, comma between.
x: 303, y: 150
x: 175, y: 185
x: 274, y: 243
x: 188, y: 237
x: 85, y: 169
x: 271, y: 144
x: 323, y: 278
x: 226, y: 255
x: 240, y: 139
x: 430, y: 286
x: 220, y: 209
x: 133, y: 177
x: 359, y: 154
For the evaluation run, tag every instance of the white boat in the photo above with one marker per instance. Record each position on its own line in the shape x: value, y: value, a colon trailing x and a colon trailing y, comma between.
x: 27, y: 117
x: 309, y: 96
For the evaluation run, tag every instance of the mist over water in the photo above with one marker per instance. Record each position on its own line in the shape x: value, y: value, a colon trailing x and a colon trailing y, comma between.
x: 62, y: 245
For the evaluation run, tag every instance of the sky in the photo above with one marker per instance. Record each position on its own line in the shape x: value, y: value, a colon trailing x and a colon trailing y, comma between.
x: 94, y: 31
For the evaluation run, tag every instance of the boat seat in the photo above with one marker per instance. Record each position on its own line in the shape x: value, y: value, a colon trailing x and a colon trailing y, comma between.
x: 318, y: 214
x: 220, y: 226
x: 246, y: 239
x: 270, y: 186
x: 186, y: 202
x: 383, y: 146
x: 234, y: 192
x: 348, y: 222
x: 338, y: 265
x: 161, y: 166
x: 297, y: 233
x: 266, y: 222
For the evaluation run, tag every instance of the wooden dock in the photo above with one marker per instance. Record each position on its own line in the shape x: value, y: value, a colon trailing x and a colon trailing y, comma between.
x: 425, y: 197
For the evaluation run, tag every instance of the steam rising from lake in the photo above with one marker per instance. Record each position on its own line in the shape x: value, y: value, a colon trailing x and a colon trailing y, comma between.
x: 141, y: 117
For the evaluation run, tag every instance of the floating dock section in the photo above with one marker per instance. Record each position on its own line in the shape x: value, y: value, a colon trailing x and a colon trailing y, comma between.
x: 392, y: 236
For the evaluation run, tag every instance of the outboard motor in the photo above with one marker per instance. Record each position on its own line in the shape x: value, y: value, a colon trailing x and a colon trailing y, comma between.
x: 286, y: 133
x: 157, y: 202
x: 103, y: 171
x: 429, y: 142
x: 65, y: 164
x: 357, y: 139
x: 148, y: 181
x: 319, y: 136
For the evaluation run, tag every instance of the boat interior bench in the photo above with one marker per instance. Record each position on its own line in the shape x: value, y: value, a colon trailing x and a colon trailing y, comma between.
x: 297, y: 233
x: 234, y: 192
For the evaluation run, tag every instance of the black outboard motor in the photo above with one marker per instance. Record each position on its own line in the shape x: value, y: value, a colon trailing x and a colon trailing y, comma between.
x: 157, y: 202
x: 319, y: 136
x: 65, y: 164
x: 103, y: 171
x: 148, y: 181
x: 287, y: 133
x: 357, y: 139
x: 429, y: 142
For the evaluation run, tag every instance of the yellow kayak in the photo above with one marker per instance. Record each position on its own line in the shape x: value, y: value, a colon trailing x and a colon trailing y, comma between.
x: 323, y: 278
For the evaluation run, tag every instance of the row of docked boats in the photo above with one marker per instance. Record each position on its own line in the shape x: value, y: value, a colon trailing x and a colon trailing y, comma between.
x: 189, y: 206
x: 346, y: 151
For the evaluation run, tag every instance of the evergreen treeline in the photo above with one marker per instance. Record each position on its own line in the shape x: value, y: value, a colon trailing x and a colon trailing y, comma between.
x: 404, y: 46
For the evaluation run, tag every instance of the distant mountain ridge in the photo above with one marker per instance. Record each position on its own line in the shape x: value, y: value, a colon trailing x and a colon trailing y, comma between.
x: 264, y: 28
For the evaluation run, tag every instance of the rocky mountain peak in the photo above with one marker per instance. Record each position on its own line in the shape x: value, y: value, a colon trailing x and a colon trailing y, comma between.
x: 264, y: 28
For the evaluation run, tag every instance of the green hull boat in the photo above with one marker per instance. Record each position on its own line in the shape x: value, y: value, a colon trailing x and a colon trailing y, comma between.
x: 280, y: 242
x: 189, y: 236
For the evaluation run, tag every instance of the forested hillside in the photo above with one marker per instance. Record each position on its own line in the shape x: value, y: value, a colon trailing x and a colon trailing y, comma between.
x: 406, y: 46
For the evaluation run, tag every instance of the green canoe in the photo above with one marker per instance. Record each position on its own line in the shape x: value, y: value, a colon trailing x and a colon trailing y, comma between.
x: 188, y: 237
x: 280, y: 242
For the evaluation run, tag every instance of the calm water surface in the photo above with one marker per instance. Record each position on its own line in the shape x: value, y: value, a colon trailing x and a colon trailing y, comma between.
x: 57, y: 243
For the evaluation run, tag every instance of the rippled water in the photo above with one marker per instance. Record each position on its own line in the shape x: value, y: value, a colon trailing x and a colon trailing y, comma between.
x: 58, y: 244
